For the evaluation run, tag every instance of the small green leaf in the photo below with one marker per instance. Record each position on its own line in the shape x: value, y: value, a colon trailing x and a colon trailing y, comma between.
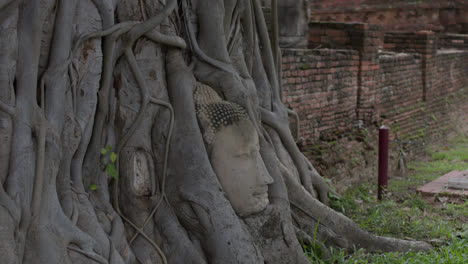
x: 333, y: 196
x: 109, y: 147
x: 103, y: 151
x: 110, y: 168
x: 113, y: 157
x: 93, y: 187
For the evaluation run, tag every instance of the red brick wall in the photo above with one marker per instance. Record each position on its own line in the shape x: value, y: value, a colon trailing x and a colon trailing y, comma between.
x: 412, y: 86
x: 451, y: 72
x: 400, y: 90
x: 321, y: 85
x: 409, y: 42
x: 457, y: 41
x: 430, y: 79
x: 367, y: 40
x: 343, y: 35
x: 333, y: 35
x: 396, y: 15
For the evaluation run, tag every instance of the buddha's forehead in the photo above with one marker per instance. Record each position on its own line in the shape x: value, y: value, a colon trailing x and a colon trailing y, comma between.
x: 241, y: 135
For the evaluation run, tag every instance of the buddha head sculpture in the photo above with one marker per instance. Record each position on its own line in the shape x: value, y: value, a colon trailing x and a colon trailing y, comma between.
x: 232, y: 143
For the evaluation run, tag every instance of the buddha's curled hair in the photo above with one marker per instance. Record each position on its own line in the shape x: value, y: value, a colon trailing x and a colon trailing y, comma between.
x: 213, y: 112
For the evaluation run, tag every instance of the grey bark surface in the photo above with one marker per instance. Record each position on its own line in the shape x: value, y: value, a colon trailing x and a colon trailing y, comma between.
x: 78, y: 78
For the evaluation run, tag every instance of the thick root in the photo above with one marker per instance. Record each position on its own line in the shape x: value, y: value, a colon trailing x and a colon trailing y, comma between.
x: 336, y: 229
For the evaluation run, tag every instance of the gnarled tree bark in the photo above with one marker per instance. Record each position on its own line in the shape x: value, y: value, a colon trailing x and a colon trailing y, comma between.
x: 91, y: 85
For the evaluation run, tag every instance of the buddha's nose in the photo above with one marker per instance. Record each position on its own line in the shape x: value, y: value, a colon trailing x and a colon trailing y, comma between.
x: 264, y: 176
x: 268, y: 178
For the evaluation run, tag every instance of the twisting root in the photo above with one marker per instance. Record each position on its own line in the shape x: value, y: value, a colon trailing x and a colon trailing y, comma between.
x: 269, y: 64
x: 199, y: 52
x: 4, y: 3
x: 141, y: 29
x: 167, y: 40
x: 12, y: 206
x: 6, y: 7
x: 235, y: 30
x: 88, y: 254
x: 142, y: 10
x: 271, y: 120
x: 124, y: 27
x: 298, y: 124
x: 145, y: 100
x: 135, y: 30
x: 139, y: 78
x: 166, y: 156
x: 7, y: 109
x: 275, y: 43
x: 40, y: 160
x: 117, y: 29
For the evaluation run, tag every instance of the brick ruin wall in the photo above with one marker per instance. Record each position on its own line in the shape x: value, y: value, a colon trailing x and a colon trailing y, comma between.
x: 354, y: 76
x: 396, y: 15
x: 321, y: 86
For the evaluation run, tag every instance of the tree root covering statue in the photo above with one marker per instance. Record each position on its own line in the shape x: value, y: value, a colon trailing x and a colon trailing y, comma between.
x: 138, y: 131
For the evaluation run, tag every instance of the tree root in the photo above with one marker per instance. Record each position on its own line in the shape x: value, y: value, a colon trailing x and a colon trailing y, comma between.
x: 4, y: 3
x: 298, y: 123
x: 269, y: 62
x: 12, y: 206
x: 39, y: 170
x: 196, y: 48
x: 141, y: 29
x: 312, y: 183
x: 89, y: 254
x: 145, y: 100
x: 172, y: 41
x: 166, y: 156
x: 134, y: 32
x: 305, y: 239
x: 7, y: 7
x: 7, y: 109
x: 45, y: 235
x: 342, y: 231
x: 85, y: 212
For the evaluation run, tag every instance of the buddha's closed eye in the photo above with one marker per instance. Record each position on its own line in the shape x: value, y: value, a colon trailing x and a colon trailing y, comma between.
x: 246, y: 154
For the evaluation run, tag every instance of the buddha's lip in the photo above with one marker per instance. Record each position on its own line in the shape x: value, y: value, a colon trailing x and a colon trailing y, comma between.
x: 262, y: 192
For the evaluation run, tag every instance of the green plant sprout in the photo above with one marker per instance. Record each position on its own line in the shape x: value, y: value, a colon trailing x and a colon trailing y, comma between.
x: 110, y: 165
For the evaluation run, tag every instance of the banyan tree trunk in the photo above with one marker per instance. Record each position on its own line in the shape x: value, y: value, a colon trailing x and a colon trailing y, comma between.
x: 102, y: 159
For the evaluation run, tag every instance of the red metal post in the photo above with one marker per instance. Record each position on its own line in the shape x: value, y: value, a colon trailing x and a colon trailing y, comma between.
x: 383, y: 161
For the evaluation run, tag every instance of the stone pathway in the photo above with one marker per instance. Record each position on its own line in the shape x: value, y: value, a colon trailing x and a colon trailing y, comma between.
x: 451, y: 184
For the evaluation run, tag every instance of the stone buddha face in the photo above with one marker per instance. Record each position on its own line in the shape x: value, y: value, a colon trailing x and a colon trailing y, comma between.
x: 233, y: 146
x: 236, y: 160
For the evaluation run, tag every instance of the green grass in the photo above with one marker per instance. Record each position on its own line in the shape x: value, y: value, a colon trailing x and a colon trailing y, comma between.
x: 455, y: 251
x: 405, y: 214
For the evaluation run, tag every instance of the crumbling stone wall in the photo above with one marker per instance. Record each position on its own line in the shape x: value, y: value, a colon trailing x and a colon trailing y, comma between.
x: 354, y: 76
x: 321, y: 85
x: 397, y: 15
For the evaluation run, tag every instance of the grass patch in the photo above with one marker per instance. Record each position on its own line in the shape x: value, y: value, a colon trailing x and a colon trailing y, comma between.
x: 405, y: 214
x: 455, y: 251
